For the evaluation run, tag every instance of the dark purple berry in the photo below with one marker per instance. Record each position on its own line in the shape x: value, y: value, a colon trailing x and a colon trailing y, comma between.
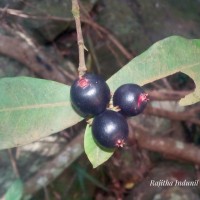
x: 131, y: 99
x: 110, y: 129
x: 90, y: 95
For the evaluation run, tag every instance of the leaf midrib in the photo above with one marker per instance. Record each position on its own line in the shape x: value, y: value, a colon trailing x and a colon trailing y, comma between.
x: 182, y: 68
x: 36, y: 106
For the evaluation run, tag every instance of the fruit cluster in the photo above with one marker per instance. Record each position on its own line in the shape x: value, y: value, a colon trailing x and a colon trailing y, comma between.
x: 91, y: 97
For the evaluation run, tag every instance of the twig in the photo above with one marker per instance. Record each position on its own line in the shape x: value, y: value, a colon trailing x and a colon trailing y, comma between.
x: 189, y: 115
x: 56, y: 195
x: 111, y: 37
x: 86, y: 20
x: 27, y: 56
x: 76, y: 13
x: 116, y: 56
x: 167, y: 95
x: 46, y: 193
x: 167, y: 84
x: 167, y: 146
x: 69, y: 185
x: 93, y: 54
x: 19, y: 13
x: 14, y: 164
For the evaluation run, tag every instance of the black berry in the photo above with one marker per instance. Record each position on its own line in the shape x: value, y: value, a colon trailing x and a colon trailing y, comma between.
x: 90, y: 95
x: 131, y: 99
x: 110, y: 129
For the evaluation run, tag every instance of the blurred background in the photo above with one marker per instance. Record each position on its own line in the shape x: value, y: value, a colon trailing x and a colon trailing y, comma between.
x: 38, y: 39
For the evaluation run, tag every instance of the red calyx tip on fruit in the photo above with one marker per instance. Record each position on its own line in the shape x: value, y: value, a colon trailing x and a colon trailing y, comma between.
x: 120, y: 143
x: 142, y: 98
x: 83, y: 82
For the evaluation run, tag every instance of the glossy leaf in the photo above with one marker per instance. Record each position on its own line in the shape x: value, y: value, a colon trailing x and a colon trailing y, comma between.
x: 15, y: 191
x: 166, y: 57
x: 95, y: 154
x: 31, y: 109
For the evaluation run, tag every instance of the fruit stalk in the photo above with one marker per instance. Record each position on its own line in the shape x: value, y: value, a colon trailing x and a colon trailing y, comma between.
x: 76, y: 13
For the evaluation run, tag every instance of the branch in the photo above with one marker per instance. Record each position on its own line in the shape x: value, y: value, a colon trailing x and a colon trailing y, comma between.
x: 13, y: 163
x: 27, y: 56
x: 167, y: 146
x: 167, y: 95
x: 88, y: 20
x: 19, y: 13
x: 113, y: 39
x: 189, y: 115
x: 76, y: 13
x: 55, y: 167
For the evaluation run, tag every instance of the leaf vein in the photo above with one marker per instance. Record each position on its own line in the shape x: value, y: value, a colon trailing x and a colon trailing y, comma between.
x: 29, y: 107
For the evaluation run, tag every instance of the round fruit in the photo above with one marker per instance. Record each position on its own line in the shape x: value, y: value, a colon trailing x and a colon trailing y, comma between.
x: 90, y: 95
x: 110, y: 129
x: 131, y: 99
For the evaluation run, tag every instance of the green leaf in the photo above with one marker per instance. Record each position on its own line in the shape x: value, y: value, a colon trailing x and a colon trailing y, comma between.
x: 31, y: 109
x: 95, y: 154
x: 166, y: 57
x: 34, y: 108
x: 15, y: 192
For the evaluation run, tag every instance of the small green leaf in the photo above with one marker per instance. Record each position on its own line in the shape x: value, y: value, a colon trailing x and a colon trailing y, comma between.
x: 95, y: 154
x: 166, y: 57
x: 15, y: 192
x: 31, y: 109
